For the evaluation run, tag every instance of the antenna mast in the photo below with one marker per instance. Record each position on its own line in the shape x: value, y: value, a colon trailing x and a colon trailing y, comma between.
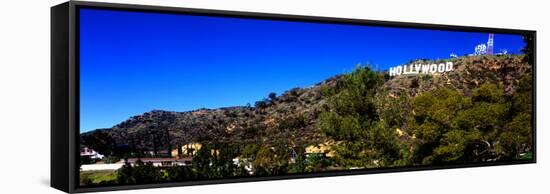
x: 490, y: 44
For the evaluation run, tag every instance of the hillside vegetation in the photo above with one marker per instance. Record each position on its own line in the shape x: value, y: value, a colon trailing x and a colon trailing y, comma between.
x: 480, y: 112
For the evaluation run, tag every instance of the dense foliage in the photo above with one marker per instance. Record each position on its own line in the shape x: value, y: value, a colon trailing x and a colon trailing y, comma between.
x: 487, y: 126
x: 352, y: 119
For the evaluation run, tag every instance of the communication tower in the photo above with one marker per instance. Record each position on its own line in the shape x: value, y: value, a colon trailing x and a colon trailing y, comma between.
x: 490, y: 44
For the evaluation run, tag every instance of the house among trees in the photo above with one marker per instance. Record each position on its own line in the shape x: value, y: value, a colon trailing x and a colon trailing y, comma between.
x: 187, y: 150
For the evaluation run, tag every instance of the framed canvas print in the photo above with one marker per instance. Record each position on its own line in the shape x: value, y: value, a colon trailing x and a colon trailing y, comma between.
x: 146, y: 96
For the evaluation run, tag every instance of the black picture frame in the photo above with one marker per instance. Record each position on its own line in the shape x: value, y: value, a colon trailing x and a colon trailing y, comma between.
x: 65, y: 90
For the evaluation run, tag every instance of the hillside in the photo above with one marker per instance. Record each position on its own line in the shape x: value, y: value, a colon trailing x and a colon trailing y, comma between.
x: 469, y: 73
x: 290, y: 116
x: 293, y: 117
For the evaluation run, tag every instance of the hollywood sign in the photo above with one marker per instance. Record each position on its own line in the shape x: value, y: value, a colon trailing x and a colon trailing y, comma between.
x: 418, y: 68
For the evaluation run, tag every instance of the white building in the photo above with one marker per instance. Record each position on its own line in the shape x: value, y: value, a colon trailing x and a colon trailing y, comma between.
x: 92, y: 154
x: 92, y: 167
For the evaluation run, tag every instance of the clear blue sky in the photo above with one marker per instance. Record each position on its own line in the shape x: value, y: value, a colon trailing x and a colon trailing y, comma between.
x: 131, y: 62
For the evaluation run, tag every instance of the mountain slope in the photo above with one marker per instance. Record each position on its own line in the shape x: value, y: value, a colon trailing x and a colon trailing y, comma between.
x: 292, y: 116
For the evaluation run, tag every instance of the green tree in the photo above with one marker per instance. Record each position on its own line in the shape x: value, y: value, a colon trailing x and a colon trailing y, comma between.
x: 351, y: 117
x: 222, y: 161
x: 517, y: 137
x: 453, y: 128
x: 272, y: 96
x: 202, y: 161
x: 181, y: 173
x: 454, y: 145
x: 272, y: 159
x: 393, y: 110
x: 432, y: 119
x: 316, y: 163
x: 299, y: 165
x: 140, y: 173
